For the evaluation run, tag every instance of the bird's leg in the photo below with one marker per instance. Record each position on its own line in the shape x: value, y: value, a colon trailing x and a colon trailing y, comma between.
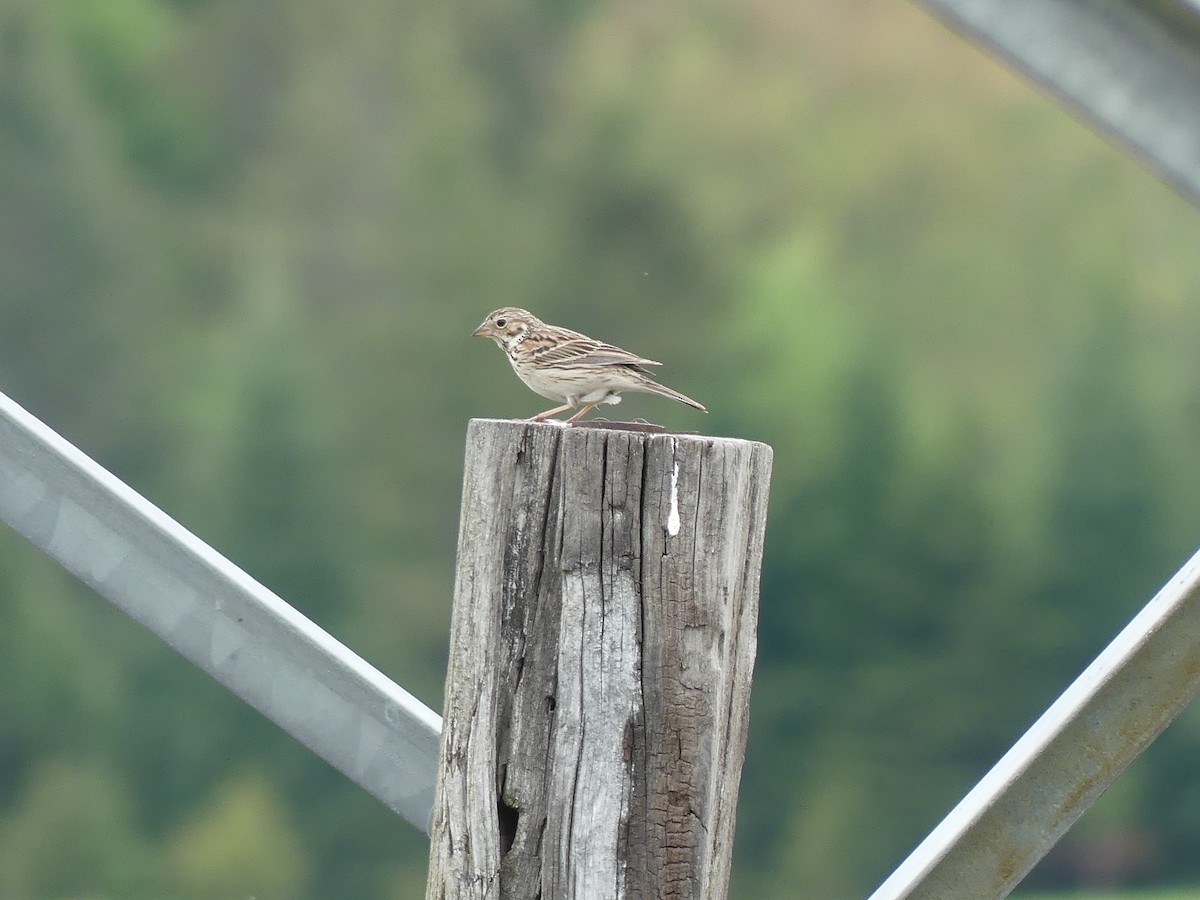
x: 542, y: 417
x: 583, y: 412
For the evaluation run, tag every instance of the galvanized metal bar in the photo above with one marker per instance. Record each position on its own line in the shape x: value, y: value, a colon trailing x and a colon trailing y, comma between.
x: 1067, y: 759
x: 1132, y: 68
x: 133, y: 554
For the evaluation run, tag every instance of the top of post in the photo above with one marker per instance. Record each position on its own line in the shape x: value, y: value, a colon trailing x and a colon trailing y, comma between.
x: 646, y: 429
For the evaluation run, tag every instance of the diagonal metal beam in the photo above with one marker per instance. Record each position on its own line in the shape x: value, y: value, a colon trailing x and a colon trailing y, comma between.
x: 1067, y: 759
x: 1131, y: 67
x: 132, y: 553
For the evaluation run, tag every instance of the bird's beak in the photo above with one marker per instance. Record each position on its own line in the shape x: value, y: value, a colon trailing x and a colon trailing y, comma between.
x: 481, y: 331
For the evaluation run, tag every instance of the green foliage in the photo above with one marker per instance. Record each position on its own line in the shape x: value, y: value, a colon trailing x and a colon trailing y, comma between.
x: 243, y: 247
x: 71, y: 831
x: 239, y: 843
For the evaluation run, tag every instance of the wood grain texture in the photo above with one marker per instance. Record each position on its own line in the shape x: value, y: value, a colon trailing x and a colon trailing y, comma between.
x: 602, y: 645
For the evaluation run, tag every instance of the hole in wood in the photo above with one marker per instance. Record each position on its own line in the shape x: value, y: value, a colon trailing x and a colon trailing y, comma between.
x: 508, y: 817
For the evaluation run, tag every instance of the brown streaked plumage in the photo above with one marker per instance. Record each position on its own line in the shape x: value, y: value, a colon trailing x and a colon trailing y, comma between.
x: 568, y: 367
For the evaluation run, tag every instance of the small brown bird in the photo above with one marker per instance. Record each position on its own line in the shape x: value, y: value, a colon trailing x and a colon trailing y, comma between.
x: 568, y: 367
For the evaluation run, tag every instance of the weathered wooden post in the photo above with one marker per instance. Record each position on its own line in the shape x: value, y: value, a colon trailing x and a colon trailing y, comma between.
x: 602, y: 644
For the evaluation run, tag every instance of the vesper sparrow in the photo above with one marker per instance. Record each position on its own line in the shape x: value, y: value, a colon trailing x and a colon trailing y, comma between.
x: 567, y: 366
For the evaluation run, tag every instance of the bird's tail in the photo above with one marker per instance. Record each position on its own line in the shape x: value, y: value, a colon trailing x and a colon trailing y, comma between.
x: 650, y: 386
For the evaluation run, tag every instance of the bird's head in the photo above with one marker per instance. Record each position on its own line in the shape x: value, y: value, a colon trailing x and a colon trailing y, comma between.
x: 506, y: 325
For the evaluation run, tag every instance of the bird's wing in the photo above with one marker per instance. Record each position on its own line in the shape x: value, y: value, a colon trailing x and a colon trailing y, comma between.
x: 577, y: 348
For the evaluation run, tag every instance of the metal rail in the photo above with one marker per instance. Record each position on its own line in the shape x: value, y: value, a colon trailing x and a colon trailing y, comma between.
x: 1067, y: 759
x: 133, y: 554
x: 1132, y: 68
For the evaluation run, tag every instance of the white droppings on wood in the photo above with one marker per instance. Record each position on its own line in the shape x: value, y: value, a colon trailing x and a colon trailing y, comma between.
x: 673, y: 515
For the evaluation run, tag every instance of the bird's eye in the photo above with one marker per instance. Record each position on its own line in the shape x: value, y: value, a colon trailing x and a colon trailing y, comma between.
x: 500, y: 323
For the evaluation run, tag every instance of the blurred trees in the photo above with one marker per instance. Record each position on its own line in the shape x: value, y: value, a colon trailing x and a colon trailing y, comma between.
x: 243, y: 248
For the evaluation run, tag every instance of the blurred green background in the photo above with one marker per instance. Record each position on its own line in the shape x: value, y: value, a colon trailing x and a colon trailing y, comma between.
x: 242, y: 249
